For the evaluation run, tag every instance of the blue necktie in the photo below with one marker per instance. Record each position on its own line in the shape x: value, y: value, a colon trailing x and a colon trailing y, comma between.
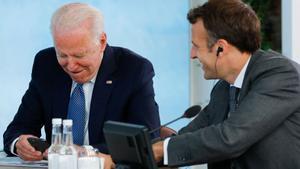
x: 233, y: 97
x: 76, y: 112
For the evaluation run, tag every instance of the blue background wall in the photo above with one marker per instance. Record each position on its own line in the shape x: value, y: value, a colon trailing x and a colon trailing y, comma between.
x: 156, y: 29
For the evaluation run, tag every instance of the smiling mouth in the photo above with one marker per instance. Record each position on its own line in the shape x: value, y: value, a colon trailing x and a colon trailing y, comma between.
x: 76, y: 73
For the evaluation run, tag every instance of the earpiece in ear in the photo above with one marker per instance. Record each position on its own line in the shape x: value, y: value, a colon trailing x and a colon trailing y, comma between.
x: 220, y: 49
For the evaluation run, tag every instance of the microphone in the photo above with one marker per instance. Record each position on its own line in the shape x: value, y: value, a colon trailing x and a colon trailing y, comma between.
x: 189, y: 113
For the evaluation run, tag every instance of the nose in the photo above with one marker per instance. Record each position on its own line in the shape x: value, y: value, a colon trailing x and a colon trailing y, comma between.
x: 193, y: 53
x: 71, y: 64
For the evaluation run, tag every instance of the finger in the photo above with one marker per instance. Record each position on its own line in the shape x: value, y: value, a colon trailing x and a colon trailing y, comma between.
x: 157, y: 149
x: 29, y: 156
x: 46, y: 151
x: 108, y: 163
x: 45, y: 154
x: 24, y: 151
x: 24, y: 147
x: 23, y: 143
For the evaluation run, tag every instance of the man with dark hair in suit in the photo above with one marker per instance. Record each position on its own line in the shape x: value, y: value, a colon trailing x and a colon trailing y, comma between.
x: 253, y: 118
x: 115, y: 83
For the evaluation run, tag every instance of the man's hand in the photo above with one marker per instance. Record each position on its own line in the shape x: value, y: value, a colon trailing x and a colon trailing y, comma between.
x: 26, y: 151
x: 108, y: 163
x: 45, y: 154
x: 79, y: 149
x: 158, y: 151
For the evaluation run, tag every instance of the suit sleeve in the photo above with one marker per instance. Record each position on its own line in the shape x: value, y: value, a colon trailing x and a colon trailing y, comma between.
x: 273, y: 96
x: 142, y: 107
x: 102, y: 147
x: 203, y: 118
x: 200, y: 121
x: 29, y: 117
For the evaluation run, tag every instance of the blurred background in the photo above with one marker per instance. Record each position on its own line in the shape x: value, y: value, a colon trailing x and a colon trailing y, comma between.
x: 155, y: 30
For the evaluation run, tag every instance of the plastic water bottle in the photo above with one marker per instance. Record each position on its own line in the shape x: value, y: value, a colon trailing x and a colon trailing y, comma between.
x: 54, y: 149
x: 88, y: 159
x: 68, y: 153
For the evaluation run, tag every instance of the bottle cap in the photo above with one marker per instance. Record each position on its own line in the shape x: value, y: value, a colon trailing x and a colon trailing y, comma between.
x: 56, y: 121
x: 68, y: 122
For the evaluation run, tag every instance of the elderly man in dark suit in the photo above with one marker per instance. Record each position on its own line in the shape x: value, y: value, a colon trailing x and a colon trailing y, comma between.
x: 115, y: 83
x: 253, y: 118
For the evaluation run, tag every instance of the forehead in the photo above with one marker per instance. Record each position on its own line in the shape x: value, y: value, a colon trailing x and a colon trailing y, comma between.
x: 73, y: 42
x: 199, y: 32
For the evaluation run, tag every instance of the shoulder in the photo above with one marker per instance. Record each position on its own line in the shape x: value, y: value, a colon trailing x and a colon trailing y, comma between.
x: 125, y: 54
x: 271, y: 62
x: 45, y: 63
x: 270, y: 59
x: 128, y: 59
x: 46, y: 57
x: 46, y: 54
x: 270, y: 72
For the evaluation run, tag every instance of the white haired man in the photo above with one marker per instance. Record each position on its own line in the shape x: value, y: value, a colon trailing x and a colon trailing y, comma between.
x: 115, y: 84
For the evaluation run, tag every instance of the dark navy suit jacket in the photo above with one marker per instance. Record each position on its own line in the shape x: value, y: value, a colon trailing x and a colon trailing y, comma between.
x: 129, y: 98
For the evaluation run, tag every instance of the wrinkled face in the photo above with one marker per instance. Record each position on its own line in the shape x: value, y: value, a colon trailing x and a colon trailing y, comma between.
x: 200, y: 50
x: 79, y: 54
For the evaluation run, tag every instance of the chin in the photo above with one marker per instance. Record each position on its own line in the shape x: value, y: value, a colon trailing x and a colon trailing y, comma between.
x: 208, y: 77
x: 81, y: 81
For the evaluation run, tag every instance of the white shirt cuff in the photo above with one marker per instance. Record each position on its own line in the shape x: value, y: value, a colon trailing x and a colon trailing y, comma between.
x: 166, y: 142
x: 13, y: 145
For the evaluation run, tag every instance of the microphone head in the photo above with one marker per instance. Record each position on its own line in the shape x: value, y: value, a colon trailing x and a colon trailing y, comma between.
x: 192, y: 111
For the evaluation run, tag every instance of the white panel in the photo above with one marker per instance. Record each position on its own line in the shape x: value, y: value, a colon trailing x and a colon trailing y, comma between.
x: 290, y: 29
x: 199, y: 87
x: 286, y: 28
x: 295, y: 30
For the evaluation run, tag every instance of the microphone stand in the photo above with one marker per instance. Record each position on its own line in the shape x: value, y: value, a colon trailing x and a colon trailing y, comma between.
x: 154, y: 130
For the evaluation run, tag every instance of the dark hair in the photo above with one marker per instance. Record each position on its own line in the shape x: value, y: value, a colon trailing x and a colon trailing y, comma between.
x: 231, y: 20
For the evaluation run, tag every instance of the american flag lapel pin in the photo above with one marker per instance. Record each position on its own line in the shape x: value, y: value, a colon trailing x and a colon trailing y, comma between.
x: 108, y: 81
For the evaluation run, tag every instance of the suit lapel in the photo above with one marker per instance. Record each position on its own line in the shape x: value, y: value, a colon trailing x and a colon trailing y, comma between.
x: 223, y: 103
x: 102, y: 90
x: 223, y: 90
x: 219, y: 102
x: 245, y: 86
x: 61, y: 95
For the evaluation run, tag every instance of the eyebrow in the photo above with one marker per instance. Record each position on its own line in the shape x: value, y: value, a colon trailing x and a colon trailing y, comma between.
x: 81, y: 53
x: 195, y: 44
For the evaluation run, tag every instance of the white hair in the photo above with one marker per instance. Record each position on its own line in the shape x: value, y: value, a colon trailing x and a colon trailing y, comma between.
x: 72, y: 15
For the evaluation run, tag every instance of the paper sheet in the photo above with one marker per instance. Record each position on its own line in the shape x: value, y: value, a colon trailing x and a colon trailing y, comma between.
x: 16, y: 161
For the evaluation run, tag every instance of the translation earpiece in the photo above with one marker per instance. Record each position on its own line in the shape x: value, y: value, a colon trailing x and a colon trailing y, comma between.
x: 220, y: 49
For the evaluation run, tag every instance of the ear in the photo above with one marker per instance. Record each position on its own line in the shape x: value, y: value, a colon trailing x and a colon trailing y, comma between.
x: 219, y: 50
x: 103, y: 41
x: 221, y: 47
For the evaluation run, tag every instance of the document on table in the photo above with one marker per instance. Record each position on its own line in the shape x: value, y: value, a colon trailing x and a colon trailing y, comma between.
x: 16, y: 161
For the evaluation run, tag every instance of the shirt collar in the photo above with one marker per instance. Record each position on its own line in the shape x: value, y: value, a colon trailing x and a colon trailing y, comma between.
x: 93, y: 79
x: 240, y: 78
